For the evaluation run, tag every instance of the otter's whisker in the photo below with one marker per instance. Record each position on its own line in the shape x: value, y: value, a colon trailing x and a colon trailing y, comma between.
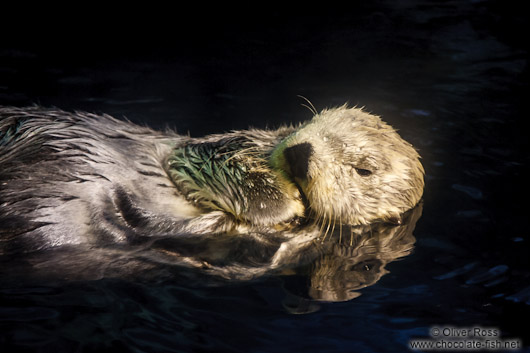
x: 340, y: 228
x: 240, y: 153
x: 205, y: 164
x: 322, y: 224
x: 327, y: 229
x: 351, y: 235
x: 306, y: 106
x: 333, y: 228
x: 311, y: 107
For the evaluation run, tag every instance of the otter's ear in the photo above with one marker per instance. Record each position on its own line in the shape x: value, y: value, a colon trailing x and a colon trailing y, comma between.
x: 297, y: 157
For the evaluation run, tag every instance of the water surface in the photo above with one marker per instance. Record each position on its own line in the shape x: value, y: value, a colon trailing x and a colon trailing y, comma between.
x: 451, y: 76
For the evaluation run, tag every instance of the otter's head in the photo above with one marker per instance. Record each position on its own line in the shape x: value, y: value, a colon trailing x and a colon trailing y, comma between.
x: 352, y: 168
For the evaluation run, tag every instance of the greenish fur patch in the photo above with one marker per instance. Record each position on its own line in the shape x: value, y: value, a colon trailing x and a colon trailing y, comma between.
x: 211, y: 174
x: 233, y: 175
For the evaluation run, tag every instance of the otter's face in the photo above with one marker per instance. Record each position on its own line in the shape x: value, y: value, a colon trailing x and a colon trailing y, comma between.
x: 352, y: 168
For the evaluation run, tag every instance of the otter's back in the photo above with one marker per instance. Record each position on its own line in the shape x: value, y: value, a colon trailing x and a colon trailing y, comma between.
x: 57, y: 168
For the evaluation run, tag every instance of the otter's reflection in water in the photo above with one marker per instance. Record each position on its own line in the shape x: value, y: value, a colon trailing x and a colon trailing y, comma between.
x: 332, y: 268
x: 349, y: 264
x: 345, y: 268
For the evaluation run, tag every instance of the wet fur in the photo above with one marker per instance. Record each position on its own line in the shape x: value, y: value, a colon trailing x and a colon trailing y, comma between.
x: 80, y: 178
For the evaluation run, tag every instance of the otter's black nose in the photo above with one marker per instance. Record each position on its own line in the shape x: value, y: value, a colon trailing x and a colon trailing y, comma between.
x: 298, y: 158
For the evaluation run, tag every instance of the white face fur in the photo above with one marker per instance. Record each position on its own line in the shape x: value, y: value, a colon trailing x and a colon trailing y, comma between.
x: 352, y: 168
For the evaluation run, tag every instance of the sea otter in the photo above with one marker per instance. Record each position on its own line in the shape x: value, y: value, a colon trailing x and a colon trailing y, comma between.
x: 80, y: 178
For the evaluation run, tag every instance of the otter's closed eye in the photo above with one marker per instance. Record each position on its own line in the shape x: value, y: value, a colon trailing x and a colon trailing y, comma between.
x: 363, y: 172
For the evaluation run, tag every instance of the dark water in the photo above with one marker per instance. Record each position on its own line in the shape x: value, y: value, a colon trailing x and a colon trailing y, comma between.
x: 451, y: 76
